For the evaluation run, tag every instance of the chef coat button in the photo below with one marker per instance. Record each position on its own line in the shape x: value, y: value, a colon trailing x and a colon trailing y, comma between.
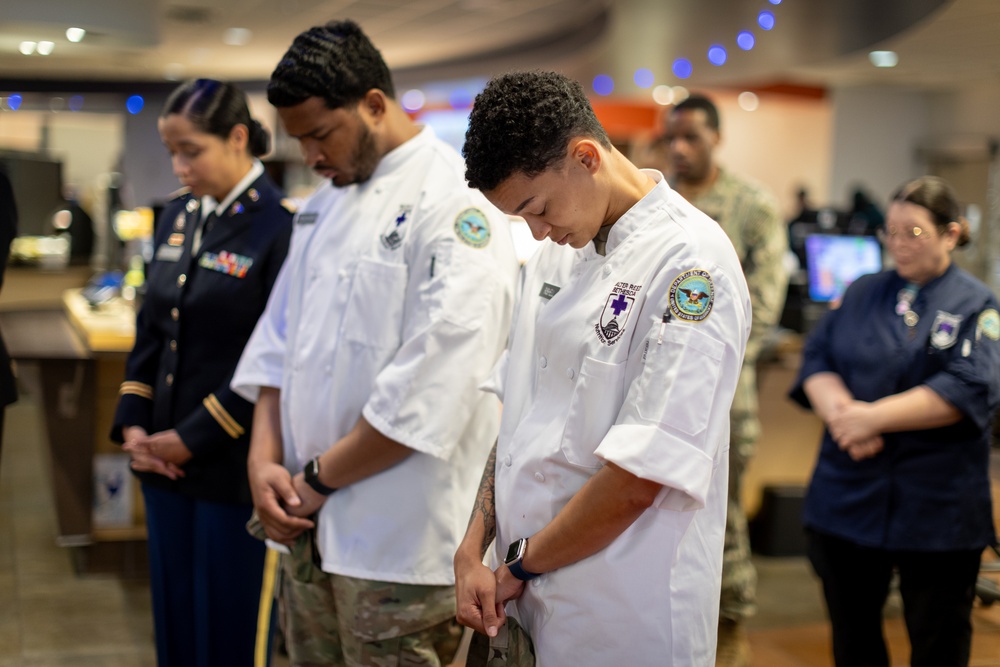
x: 181, y: 279
x: 173, y: 346
x: 540, y: 477
x: 607, y: 270
x: 175, y: 314
x: 342, y: 273
x: 536, y: 582
x: 570, y: 373
x: 543, y: 362
x: 170, y: 379
x: 507, y: 460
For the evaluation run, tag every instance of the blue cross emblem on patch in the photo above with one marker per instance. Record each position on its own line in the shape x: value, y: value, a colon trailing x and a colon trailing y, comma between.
x: 617, y: 310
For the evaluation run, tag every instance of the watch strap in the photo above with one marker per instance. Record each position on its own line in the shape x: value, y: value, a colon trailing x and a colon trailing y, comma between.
x: 311, y: 477
x: 520, y: 573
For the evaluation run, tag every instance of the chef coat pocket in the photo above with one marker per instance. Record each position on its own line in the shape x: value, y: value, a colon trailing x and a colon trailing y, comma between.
x: 374, y: 313
x: 678, y: 384
x: 593, y: 409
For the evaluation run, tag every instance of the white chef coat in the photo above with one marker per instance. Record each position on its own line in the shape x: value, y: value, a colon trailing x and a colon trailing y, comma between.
x: 579, y: 391
x: 386, y: 308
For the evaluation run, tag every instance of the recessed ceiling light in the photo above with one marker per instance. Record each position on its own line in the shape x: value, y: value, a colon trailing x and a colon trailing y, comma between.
x: 45, y: 48
x: 27, y: 48
x: 236, y: 36
x: 75, y: 34
x: 884, y: 58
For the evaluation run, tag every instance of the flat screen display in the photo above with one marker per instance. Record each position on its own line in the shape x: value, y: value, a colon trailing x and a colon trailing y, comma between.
x: 834, y: 262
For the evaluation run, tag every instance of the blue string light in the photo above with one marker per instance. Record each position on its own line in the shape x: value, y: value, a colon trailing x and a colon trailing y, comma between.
x: 75, y: 103
x: 765, y: 20
x: 603, y: 84
x: 643, y: 77
x: 134, y: 104
x: 745, y: 40
x: 717, y: 55
x: 682, y: 68
x: 14, y: 102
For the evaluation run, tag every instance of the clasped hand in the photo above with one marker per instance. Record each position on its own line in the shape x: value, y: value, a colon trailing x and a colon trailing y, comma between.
x: 482, y: 595
x: 162, y: 453
x: 854, y: 428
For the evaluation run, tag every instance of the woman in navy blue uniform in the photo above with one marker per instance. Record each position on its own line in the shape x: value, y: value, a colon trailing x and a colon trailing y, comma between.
x: 905, y: 374
x: 218, y: 247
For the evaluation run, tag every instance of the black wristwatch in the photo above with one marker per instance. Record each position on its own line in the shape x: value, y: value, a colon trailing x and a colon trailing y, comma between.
x: 311, y: 474
x: 515, y: 554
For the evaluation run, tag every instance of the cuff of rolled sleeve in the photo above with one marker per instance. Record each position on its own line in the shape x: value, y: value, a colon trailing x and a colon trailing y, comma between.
x: 402, y: 437
x: 953, y: 390
x: 654, y: 454
x: 248, y: 385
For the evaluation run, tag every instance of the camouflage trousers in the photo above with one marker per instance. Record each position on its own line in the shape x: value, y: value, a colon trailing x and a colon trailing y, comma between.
x: 333, y: 620
x: 738, y: 600
x: 511, y: 647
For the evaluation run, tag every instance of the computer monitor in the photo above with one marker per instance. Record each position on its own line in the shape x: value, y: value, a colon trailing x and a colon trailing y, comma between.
x: 834, y: 262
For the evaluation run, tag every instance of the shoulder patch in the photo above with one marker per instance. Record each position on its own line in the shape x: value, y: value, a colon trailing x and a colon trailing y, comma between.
x: 989, y: 324
x: 289, y: 205
x: 472, y: 228
x: 692, y: 295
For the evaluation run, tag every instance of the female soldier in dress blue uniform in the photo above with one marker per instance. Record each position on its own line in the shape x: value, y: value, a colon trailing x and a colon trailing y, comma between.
x: 218, y: 248
x: 906, y: 377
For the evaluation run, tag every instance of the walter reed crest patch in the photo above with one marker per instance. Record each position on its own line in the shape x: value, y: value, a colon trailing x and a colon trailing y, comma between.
x: 692, y: 295
x: 393, y: 238
x: 616, y: 312
x: 944, y: 331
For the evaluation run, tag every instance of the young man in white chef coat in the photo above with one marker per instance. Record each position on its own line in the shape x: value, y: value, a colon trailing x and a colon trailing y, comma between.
x: 392, y: 307
x: 610, y: 474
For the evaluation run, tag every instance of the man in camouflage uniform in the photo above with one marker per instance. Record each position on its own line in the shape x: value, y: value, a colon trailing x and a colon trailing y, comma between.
x: 750, y: 218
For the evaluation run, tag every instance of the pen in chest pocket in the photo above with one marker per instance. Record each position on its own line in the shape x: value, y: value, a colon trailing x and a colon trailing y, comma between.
x: 663, y: 324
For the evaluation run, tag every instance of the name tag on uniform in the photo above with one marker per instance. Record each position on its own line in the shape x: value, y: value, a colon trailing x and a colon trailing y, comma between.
x: 549, y: 291
x: 306, y: 218
x: 169, y: 253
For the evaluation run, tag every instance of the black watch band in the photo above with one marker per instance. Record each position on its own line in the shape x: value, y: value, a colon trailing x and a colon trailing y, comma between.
x: 311, y: 475
x: 515, y: 554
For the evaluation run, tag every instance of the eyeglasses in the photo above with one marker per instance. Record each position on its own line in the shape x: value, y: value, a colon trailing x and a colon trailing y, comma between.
x: 914, y: 234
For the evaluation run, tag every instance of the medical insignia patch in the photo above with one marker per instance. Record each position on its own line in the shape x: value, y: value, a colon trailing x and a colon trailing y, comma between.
x: 393, y: 238
x: 226, y: 262
x: 944, y: 331
x: 989, y: 324
x: 472, y: 227
x: 616, y: 312
x: 692, y: 295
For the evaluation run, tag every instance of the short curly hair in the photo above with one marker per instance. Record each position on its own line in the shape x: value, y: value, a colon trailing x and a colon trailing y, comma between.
x: 336, y: 62
x: 522, y: 123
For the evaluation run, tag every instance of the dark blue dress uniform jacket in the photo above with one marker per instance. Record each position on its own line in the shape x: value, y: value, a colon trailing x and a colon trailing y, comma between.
x: 927, y: 490
x: 197, y: 316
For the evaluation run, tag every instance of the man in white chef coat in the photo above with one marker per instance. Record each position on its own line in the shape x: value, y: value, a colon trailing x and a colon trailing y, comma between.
x: 391, y: 308
x: 610, y: 474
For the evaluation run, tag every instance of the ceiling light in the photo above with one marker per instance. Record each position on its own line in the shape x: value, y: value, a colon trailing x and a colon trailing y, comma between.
x: 663, y: 95
x: 27, y: 48
x: 748, y: 101
x: 413, y: 100
x: 236, y: 36
x: 75, y: 34
x: 45, y: 48
x: 883, y: 58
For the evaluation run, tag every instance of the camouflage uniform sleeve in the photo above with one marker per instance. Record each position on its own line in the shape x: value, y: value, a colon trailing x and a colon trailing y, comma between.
x: 766, y: 241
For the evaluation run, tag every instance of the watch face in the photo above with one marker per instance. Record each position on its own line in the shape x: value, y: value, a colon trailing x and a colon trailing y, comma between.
x: 514, y: 552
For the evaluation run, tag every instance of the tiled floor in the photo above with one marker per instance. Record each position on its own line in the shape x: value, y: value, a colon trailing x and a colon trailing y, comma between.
x: 52, y: 617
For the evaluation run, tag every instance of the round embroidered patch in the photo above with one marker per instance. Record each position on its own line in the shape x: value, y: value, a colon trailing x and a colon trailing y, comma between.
x: 692, y: 295
x: 472, y: 227
x: 989, y: 324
